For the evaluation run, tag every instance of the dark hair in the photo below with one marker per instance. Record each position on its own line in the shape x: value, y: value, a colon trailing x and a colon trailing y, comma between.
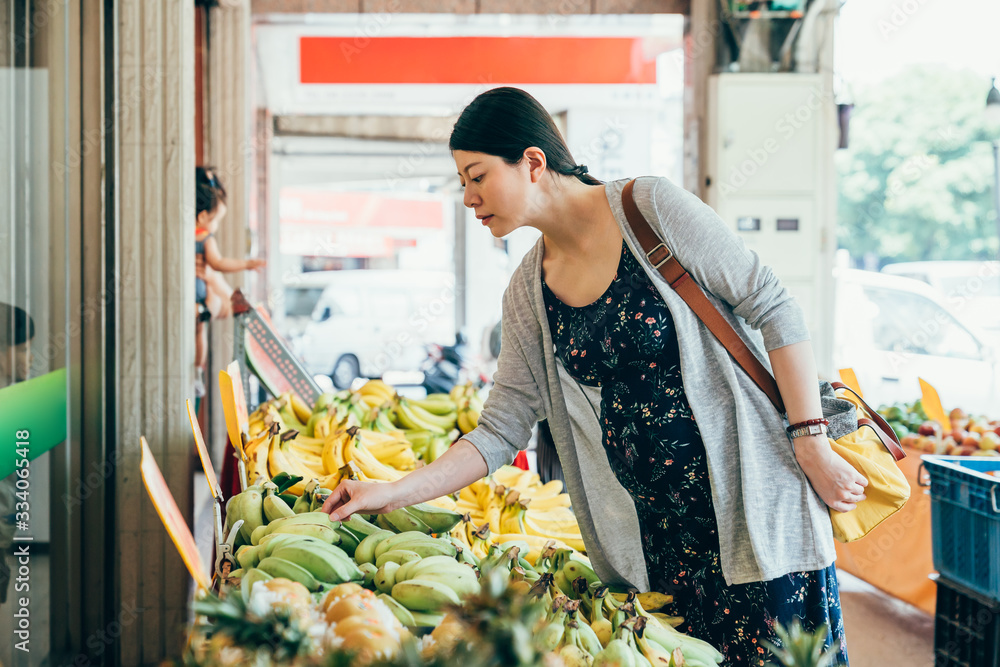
x: 209, y: 192
x: 16, y: 326
x: 505, y: 121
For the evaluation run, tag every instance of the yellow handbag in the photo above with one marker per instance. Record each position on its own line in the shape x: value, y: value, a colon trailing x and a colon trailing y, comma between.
x: 873, y: 451
x: 869, y: 443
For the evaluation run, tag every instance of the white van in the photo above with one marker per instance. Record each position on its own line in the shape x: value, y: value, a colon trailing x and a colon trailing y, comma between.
x: 367, y: 322
x: 892, y: 330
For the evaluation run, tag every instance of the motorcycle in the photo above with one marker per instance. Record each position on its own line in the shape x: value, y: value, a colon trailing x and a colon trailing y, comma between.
x: 448, y: 365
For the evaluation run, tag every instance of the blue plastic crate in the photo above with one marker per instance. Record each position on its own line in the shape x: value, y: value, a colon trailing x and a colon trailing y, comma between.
x: 965, y: 520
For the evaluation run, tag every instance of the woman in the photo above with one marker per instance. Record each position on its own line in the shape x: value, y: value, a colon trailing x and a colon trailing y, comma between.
x: 678, y: 466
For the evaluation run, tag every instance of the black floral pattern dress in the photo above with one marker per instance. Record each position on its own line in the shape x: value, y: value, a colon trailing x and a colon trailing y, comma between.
x: 625, y: 343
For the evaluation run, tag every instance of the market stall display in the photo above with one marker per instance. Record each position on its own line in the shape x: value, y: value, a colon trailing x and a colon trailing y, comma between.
x: 294, y: 587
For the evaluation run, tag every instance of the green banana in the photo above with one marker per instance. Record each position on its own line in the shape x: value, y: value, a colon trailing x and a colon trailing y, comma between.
x: 463, y: 583
x: 302, y: 505
x: 403, y: 615
x: 385, y: 578
x: 359, y: 526
x: 269, y: 543
x: 417, y: 595
x: 248, y: 580
x: 275, y: 508
x: 616, y: 654
x: 431, y: 564
x: 368, y: 570
x: 248, y: 557
x: 550, y: 635
x: 237, y: 573
x: 425, y: 619
x: 383, y: 524
x: 348, y: 540
x: 328, y: 564
x: 435, y: 548
x: 464, y: 553
x: 396, y: 556
x: 573, y: 567
x: 439, y: 520
x: 234, y: 511
x: 279, y: 567
x: 401, y: 541
x: 317, y: 518
x: 436, y: 404
x: 402, y: 521
x: 258, y: 533
x: 319, y: 497
x: 321, y: 533
x: 251, y: 511
x: 365, y: 553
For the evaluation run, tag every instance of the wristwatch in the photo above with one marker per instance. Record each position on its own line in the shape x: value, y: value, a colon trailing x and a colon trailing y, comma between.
x: 808, y: 429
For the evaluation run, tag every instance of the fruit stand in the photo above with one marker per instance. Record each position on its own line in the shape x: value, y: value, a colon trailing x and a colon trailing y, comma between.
x: 495, y: 575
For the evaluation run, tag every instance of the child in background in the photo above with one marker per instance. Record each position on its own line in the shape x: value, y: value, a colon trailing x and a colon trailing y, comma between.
x: 211, y: 209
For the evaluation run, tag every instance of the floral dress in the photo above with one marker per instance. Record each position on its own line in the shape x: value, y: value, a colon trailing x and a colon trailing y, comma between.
x: 625, y: 343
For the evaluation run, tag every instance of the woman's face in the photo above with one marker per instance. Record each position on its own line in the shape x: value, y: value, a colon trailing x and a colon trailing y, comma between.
x: 498, y: 192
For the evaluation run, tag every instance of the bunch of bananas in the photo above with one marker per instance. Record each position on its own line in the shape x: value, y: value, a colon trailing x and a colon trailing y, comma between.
x: 514, y: 506
x: 418, y: 574
x: 469, y: 406
x: 429, y: 423
x: 585, y: 624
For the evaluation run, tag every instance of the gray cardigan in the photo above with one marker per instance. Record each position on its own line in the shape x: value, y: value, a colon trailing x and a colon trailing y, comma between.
x: 770, y: 520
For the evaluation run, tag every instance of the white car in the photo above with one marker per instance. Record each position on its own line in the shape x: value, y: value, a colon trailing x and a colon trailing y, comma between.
x: 368, y: 322
x: 892, y: 330
x: 971, y: 290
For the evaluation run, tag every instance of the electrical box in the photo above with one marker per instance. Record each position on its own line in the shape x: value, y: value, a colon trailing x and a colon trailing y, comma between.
x: 770, y: 176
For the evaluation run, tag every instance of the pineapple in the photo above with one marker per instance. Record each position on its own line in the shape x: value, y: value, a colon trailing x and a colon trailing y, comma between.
x: 800, y: 648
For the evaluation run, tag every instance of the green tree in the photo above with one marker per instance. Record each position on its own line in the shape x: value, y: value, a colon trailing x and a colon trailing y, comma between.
x: 916, y: 182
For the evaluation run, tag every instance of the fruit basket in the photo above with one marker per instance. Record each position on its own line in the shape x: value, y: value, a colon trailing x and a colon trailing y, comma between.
x: 965, y: 520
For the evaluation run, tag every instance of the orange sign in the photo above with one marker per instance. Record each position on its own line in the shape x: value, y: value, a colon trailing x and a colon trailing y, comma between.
x: 199, y: 444
x: 171, y: 517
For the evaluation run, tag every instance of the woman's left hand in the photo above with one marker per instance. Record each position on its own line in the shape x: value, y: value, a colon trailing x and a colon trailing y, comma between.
x: 835, y: 480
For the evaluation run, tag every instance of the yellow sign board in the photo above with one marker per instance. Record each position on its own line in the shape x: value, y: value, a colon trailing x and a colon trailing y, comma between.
x: 848, y: 377
x: 172, y: 518
x: 932, y: 405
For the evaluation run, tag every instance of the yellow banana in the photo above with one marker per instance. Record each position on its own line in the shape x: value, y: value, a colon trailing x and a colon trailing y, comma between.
x: 542, y: 504
x: 356, y: 451
x: 301, y: 409
x: 553, y: 488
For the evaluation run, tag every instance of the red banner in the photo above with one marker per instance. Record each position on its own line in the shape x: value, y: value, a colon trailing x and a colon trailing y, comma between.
x: 478, y: 60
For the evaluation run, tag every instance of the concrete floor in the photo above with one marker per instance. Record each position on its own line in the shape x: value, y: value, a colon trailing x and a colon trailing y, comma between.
x: 881, y: 630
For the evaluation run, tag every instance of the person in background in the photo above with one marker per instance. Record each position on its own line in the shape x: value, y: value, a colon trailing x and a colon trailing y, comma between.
x: 17, y: 329
x: 211, y: 289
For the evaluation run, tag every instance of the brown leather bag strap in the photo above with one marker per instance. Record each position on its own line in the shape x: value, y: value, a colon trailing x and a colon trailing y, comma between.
x: 681, y: 281
x: 877, y: 423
